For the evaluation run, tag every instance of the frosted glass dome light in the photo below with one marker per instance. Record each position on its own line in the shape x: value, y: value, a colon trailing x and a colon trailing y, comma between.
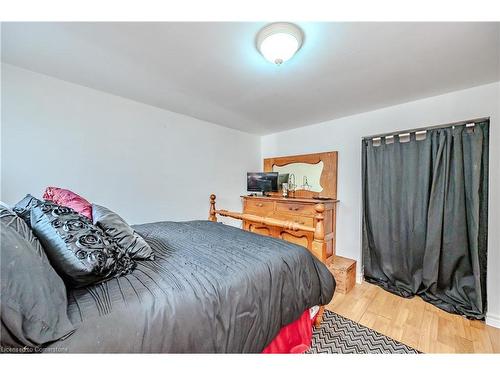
x: 278, y: 42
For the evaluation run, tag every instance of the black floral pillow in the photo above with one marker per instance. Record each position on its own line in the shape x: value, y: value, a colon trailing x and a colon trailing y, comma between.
x: 80, y: 251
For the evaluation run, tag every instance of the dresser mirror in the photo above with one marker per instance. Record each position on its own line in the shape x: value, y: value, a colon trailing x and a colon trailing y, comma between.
x: 314, y: 175
x: 303, y: 175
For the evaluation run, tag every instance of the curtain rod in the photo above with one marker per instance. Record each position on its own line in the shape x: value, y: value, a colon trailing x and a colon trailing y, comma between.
x: 458, y: 123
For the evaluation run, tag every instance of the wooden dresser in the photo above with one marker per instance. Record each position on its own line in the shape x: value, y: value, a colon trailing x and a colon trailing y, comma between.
x: 299, y: 210
x: 307, y: 218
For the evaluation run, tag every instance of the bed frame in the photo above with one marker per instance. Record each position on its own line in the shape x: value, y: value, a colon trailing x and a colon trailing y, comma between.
x: 318, y: 245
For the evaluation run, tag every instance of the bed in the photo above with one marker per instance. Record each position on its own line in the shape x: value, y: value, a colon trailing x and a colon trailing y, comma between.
x: 212, y: 288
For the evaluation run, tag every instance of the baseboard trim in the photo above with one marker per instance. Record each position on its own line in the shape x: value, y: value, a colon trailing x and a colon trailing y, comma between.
x: 493, y: 320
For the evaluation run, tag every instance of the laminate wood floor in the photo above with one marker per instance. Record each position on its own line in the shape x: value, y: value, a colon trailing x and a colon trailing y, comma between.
x: 415, y: 322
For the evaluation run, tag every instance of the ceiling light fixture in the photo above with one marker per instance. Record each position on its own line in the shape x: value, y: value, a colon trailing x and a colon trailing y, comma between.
x: 279, y: 41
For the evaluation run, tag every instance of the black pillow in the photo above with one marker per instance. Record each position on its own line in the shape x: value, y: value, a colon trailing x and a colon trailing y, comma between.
x: 23, y: 207
x: 33, y: 297
x: 81, y: 252
x: 117, y: 228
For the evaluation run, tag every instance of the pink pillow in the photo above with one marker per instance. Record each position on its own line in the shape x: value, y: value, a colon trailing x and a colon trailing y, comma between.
x: 67, y: 198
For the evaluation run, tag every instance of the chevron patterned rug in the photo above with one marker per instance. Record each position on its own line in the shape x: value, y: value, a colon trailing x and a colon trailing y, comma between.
x: 343, y: 336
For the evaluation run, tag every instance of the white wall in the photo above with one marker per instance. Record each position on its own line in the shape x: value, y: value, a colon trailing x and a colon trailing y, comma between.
x: 344, y: 135
x: 145, y: 163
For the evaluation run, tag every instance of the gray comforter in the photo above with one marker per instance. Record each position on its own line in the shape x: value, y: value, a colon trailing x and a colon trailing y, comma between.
x: 212, y: 288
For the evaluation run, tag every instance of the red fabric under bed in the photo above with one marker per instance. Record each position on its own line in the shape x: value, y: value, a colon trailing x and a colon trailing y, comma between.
x: 294, y: 338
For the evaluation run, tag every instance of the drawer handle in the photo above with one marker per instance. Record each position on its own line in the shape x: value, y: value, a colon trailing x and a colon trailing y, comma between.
x: 259, y: 204
x: 293, y: 208
x: 300, y: 222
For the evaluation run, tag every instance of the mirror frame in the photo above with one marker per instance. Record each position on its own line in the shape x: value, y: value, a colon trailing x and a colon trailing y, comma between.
x: 328, y: 177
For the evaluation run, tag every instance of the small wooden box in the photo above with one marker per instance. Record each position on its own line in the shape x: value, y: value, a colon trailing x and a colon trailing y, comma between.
x: 344, y: 272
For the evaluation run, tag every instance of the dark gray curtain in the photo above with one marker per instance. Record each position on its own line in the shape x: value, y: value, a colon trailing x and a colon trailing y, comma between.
x: 425, y: 217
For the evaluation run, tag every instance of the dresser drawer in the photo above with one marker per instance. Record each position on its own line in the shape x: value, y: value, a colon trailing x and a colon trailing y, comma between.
x: 258, y: 206
x: 295, y: 208
x: 309, y: 221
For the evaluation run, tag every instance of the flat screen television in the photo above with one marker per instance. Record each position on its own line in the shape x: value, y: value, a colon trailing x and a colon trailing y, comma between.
x: 262, y: 181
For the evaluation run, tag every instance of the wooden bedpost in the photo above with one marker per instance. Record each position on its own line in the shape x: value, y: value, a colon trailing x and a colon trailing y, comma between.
x: 319, y: 248
x: 211, y: 212
x: 319, y: 243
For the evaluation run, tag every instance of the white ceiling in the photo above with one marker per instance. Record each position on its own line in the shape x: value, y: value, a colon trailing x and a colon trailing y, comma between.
x: 213, y: 72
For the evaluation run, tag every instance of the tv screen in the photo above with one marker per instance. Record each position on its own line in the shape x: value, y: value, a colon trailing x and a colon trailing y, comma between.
x: 262, y: 182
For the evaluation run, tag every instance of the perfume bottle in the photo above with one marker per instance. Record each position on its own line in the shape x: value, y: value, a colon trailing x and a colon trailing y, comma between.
x: 305, y: 184
x: 291, y: 185
x: 284, y: 189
